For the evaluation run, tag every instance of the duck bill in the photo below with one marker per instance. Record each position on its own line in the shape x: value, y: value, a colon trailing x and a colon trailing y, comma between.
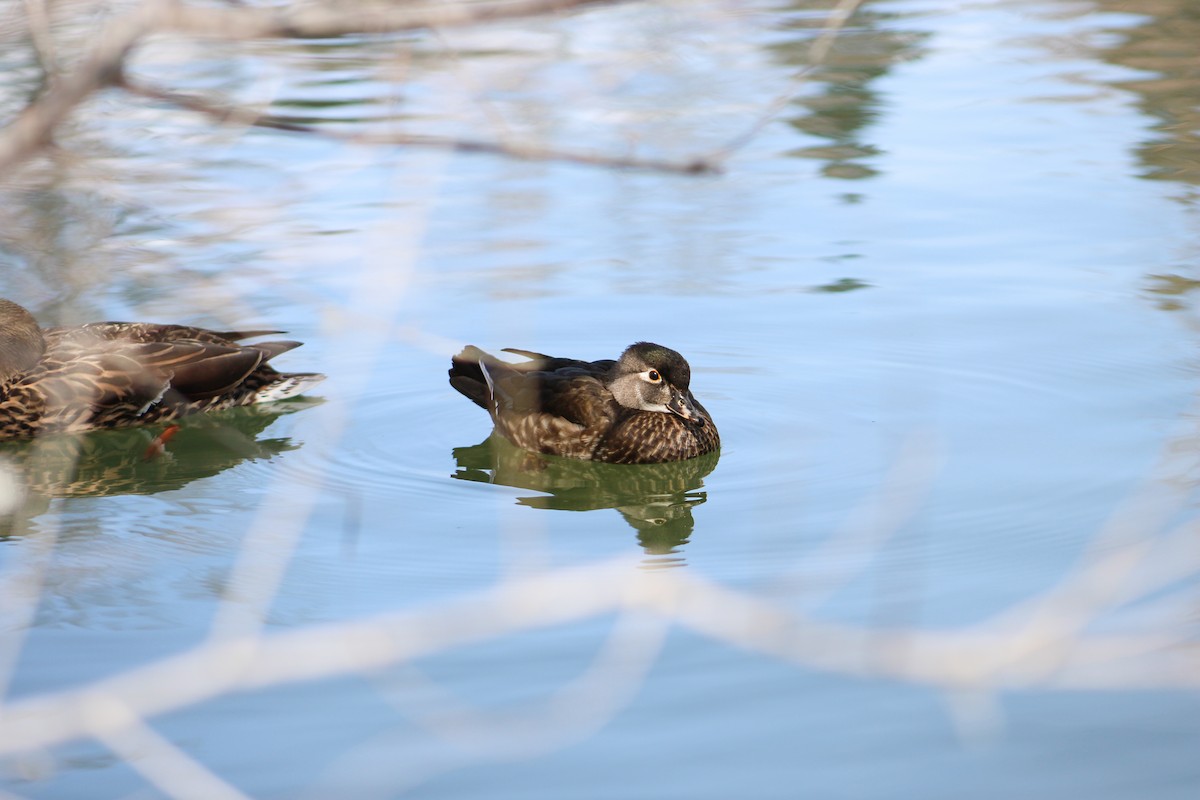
x: 681, y: 404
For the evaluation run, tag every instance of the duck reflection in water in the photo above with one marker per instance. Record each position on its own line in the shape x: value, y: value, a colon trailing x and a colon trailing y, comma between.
x: 656, y: 499
x: 125, y: 461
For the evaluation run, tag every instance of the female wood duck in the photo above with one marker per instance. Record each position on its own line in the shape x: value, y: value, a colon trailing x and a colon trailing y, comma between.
x: 113, y: 374
x: 635, y: 410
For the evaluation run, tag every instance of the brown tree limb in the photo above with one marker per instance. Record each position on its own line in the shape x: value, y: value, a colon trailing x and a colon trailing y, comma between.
x: 225, y: 113
x: 324, y: 22
x: 34, y: 127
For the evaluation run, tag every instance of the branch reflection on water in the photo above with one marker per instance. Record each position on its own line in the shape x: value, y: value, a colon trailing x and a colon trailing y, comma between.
x: 655, y: 499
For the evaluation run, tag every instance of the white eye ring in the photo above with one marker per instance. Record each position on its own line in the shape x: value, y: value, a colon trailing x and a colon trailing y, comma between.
x: 652, y: 376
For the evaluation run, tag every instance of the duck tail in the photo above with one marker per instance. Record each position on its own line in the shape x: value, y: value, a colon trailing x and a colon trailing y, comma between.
x: 468, y: 378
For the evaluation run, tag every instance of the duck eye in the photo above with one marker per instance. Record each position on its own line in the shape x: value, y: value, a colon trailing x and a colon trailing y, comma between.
x: 654, y: 376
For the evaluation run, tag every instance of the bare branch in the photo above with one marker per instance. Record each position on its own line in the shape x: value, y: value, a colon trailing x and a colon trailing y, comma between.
x: 323, y: 22
x: 239, y: 115
x: 34, y: 127
x: 970, y: 657
x: 820, y: 51
x: 163, y: 764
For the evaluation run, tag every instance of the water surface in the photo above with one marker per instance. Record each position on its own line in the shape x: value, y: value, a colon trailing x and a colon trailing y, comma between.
x: 941, y: 310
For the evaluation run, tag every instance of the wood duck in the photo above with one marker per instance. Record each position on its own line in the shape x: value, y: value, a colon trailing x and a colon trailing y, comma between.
x: 114, y: 374
x: 638, y: 409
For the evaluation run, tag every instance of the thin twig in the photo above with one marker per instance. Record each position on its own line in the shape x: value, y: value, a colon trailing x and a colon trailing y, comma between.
x: 817, y: 55
x: 230, y: 114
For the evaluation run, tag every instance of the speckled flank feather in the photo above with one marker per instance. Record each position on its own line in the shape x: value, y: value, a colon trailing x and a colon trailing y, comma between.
x: 113, y: 374
x: 567, y: 407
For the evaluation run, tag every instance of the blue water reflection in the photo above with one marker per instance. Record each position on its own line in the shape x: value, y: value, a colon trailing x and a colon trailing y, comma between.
x: 942, y: 308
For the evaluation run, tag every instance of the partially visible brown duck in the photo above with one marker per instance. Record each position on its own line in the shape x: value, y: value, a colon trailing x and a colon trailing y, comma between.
x: 638, y: 409
x: 113, y: 374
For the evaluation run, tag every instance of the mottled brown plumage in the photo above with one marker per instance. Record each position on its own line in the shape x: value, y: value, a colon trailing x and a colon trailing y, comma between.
x: 638, y: 409
x: 113, y: 374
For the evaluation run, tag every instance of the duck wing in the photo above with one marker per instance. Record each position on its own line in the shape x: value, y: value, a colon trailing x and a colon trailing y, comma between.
x: 200, y: 370
x: 122, y: 370
x: 527, y: 354
x: 117, y: 373
x: 547, y: 405
x: 574, y: 395
x: 558, y: 386
x: 565, y: 411
x: 149, y: 332
x: 89, y: 389
x: 199, y: 363
x: 540, y: 362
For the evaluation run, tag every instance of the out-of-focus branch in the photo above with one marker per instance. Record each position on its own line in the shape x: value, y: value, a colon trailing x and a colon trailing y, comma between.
x: 39, y: 33
x: 159, y: 761
x: 976, y: 656
x: 325, y: 22
x: 240, y: 115
x: 839, y: 17
x: 104, y: 66
x: 34, y: 127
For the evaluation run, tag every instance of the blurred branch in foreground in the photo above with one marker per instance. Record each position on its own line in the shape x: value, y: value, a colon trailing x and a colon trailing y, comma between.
x: 987, y: 657
x: 1121, y: 619
x: 250, y: 117
x: 104, y: 67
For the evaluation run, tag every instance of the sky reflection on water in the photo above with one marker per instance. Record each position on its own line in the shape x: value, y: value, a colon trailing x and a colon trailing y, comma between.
x: 1006, y: 191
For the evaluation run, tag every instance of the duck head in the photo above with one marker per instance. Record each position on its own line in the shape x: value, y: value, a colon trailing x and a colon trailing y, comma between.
x: 650, y: 377
x: 21, y: 342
